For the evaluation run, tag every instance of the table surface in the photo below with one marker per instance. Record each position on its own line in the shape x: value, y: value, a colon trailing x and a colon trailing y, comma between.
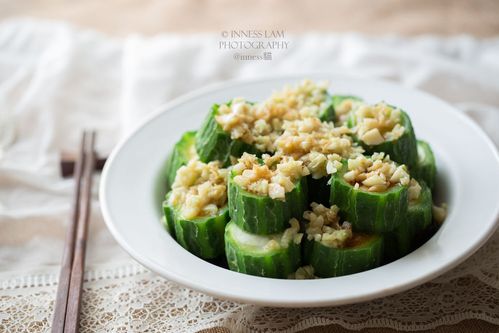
x: 121, y: 17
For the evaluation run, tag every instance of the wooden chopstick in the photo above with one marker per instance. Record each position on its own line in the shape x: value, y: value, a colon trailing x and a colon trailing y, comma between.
x: 68, y: 301
x: 68, y: 251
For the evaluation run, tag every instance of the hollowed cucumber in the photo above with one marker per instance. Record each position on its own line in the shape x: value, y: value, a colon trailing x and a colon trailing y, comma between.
x: 263, y: 215
x: 361, y: 253
x: 407, y: 237
x: 246, y: 253
x: 183, y: 151
x: 403, y: 150
x: 213, y: 143
x: 202, y: 236
x: 425, y: 168
x: 369, y: 212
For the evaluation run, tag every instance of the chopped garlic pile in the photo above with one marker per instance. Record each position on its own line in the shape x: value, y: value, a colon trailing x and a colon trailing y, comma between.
x: 291, y: 234
x: 377, y: 123
x: 320, y: 145
x: 376, y: 173
x: 199, y: 189
x: 324, y: 226
x: 342, y: 111
x: 261, y: 123
x: 276, y: 176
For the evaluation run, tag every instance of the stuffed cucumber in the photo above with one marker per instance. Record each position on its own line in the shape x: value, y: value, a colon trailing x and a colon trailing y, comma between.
x: 383, y: 128
x: 425, y: 169
x: 213, y: 143
x: 265, y: 194
x: 196, y: 208
x: 343, y: 105
x: 332, y: 249
x: 183, y: 151
x: 275, y: 256
x: 409, y: 234
x: 371, y: 192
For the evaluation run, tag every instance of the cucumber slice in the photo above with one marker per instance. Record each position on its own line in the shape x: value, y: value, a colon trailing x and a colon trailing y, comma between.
x: 369, y: 212
x: 403, y: 150
x: 213, y: 143
x: 202, y: 236
x: 183, y: 151
x: 426, y: 168
x: 250, y: 254
x: 361, y: 253
x: 409, y: 235
x: 263, y: 215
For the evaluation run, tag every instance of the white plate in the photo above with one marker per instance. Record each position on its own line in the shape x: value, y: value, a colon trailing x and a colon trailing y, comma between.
x: 468, y: 181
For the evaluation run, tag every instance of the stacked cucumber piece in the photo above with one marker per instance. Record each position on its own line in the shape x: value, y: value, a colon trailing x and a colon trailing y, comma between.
x: 264, y: 236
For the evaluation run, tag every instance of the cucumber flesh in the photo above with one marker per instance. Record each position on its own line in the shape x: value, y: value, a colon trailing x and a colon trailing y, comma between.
x: 183, y: 151
x: 263, y: 215
x: 202, y: 236
x: 369, y: 212
x: 336, y: 101
x: 327, y: 112
x: 361, y: 253
x: 425, y: 169
x: 409, y: 235
x: 403, y: 150
x: 247, y: 253
x: 213, y: 143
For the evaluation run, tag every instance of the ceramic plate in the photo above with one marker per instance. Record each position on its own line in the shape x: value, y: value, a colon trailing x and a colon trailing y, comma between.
x: 468, y: 180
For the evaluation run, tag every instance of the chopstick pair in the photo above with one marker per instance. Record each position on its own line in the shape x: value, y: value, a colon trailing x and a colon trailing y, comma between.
x: 68, y: 300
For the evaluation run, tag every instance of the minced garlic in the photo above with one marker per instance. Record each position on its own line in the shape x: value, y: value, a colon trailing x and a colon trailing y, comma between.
x: 275, y: 177
x: 378, y: 123
x: 376, y: 173
x: 324, y: 226
x: 199, y: 189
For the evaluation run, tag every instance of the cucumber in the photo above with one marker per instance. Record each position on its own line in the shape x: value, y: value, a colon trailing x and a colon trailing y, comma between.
x: 247, y: 253
x: 183, y: 151
x: 425, y: 169
x: 369, y: 212
x: 409, y: 235
x: 362, y: 252
x: 403, y: 150
x: 213, y: 143
x: 202, y: 236
x: 263, y: 215
x: 327, y: 113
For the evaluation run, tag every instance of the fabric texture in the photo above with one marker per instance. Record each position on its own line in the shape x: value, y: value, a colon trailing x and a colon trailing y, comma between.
x: 56, y: 80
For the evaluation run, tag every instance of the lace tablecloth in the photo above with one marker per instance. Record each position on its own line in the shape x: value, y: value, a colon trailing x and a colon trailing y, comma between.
x: 56, y: 80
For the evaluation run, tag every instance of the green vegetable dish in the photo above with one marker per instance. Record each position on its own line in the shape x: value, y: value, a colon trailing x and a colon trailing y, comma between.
x: 304, y: 184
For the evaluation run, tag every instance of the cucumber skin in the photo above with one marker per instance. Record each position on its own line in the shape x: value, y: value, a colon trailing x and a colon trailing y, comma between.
x: 179, y: 156
x: 276, y: 264
x: 263, y: 215
x: 169, y: 216
x: 407, y: 237
x: 213, y: 143
x: 369, y: 212
x: 328, y: 113
x: 330, y: 262
x: 403, y: 150
x: 204, y: 236
x: 426, y: 170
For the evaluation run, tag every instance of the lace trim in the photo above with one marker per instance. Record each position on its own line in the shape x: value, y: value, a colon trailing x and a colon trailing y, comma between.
x: 129, y: 298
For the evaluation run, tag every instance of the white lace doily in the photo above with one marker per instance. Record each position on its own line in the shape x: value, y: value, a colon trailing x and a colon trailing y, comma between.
x: 131, y: 299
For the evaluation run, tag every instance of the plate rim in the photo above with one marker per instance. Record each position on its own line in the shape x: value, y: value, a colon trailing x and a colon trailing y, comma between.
x: 211, y: 88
